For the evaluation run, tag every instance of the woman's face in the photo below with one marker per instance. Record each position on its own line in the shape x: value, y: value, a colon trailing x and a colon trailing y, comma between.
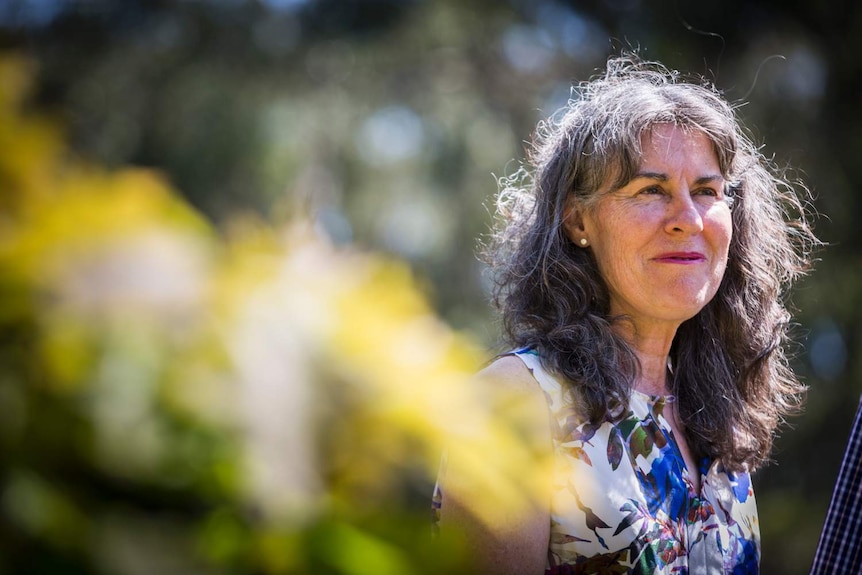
x: 661, y: 241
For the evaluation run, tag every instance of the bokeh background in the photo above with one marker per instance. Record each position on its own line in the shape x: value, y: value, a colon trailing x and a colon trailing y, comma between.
x: 238, y: 272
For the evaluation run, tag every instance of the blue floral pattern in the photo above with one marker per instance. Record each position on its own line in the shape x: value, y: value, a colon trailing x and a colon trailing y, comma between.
x: 623, y: 500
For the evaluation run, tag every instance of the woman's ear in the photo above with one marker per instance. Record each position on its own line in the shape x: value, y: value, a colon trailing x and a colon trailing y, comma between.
x: 573, y: 222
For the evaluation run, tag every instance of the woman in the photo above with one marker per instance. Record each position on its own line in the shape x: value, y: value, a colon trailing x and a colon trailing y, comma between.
x: 641, y: 270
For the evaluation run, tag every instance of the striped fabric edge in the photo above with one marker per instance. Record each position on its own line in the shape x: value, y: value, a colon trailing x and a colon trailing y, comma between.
x: 839, y: 550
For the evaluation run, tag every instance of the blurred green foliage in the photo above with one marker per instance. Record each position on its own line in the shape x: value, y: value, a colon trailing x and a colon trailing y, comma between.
x: 383, y: 122
x: 176, y: 399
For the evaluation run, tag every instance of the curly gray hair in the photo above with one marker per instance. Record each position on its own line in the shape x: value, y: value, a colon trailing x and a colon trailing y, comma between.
x: 553, y: 298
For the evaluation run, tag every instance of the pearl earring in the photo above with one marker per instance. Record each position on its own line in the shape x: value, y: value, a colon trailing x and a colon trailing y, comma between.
x: 584, y: 242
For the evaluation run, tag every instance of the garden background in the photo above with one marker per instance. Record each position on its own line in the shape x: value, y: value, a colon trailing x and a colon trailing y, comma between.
x: 239, y: 291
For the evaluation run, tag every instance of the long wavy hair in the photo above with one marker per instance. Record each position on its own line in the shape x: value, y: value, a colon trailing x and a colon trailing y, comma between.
x: 730, y: 364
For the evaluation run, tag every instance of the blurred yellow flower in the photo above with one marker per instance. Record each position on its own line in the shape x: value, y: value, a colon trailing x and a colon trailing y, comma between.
x: 267, y: 388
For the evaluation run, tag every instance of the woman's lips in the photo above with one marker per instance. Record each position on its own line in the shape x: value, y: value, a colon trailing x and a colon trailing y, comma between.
x: 681, y: 258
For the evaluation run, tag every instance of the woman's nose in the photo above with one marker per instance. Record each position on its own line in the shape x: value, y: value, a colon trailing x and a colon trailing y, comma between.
x: 683, y: 215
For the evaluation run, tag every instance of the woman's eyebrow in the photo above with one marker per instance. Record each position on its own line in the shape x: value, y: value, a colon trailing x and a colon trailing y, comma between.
x: 708, y: 179
x: 662, y: 177
x: 651, y: 176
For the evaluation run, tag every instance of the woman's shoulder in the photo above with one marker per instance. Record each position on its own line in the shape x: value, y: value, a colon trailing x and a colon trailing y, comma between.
x: 506, y: 379
x: 494, y: 473
x: 518, y: 368
x: 509, y: 370
x: 522, y: 372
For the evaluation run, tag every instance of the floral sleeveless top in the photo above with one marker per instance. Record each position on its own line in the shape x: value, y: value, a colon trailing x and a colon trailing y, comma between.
x: 622, y: 500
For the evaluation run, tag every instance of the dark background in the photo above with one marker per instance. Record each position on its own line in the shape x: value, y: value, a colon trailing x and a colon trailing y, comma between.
x: 388, y: 120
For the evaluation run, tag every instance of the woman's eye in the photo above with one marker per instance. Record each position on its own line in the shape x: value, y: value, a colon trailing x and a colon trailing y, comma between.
x: 650, y: 191
x: 706, y: 192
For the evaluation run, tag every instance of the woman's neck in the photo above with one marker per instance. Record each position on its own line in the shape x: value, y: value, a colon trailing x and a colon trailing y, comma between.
x: 653, y: 374
x: 652, y: 348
